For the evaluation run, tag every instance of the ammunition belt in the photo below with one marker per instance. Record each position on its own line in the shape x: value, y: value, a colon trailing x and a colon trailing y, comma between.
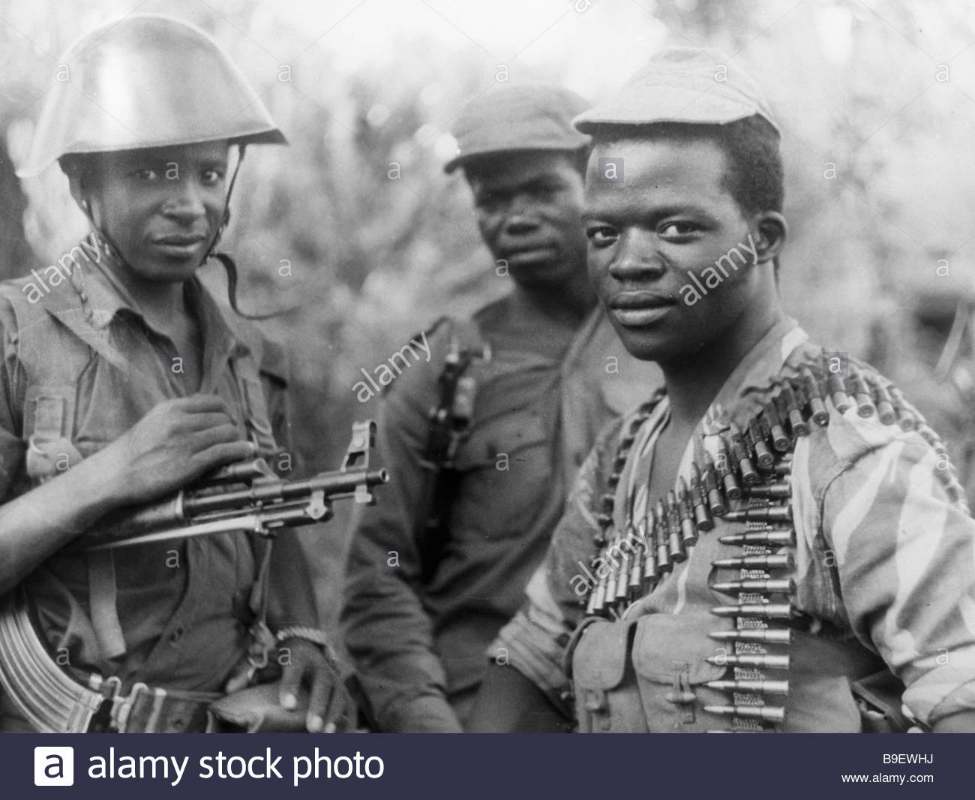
x: 53, y: 702
x: 743, y: 476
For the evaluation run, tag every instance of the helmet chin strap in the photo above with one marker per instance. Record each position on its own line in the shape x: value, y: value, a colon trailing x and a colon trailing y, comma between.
x: 229, y: 266
x: 103, y: 240
x: 225, y: 219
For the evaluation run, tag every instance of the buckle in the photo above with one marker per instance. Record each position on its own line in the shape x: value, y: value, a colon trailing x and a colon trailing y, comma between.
x: 112, y: 715
x: 122, y: 706
x: 103, y: 720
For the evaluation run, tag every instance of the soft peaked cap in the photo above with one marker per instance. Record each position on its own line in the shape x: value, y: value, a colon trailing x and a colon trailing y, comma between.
x: 684, y: 85
x: 521, y: 117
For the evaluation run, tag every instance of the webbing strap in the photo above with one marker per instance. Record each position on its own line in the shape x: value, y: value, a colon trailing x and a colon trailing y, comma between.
x: 102, y: 597
x: 261, y: 590
x: 50, y: 451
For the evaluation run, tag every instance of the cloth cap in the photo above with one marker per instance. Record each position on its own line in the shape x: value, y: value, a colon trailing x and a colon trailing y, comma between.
x: 525, y: 117
x: 682, y: 84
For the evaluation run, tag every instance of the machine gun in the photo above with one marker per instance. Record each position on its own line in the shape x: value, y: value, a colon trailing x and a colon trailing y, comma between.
x: 245, y: 497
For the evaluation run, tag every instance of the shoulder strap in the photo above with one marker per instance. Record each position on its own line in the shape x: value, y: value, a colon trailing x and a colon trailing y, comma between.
x: 449, y: 422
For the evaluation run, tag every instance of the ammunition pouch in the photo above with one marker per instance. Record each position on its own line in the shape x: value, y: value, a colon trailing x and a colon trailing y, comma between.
x: 649, y: 674
x: 669, y: 658
x: 645, y: 675
x: 607, y: 697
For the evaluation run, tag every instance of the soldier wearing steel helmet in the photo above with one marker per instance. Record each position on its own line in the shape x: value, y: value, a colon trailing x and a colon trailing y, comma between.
x: 121, y: 381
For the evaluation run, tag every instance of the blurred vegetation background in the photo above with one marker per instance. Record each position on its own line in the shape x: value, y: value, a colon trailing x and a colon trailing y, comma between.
x: 356, y: 228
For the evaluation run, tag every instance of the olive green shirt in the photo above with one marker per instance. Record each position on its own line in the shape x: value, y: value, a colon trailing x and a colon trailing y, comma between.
x: 421, y: 648
x: 72, y: 382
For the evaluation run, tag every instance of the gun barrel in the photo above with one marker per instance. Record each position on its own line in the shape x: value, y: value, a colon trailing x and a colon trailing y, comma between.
x: 287, y: 504
x: 245, y: 496
x: 333, y: 484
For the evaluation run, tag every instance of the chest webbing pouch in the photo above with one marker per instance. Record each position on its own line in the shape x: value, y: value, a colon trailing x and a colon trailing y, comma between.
x: 743, y: 475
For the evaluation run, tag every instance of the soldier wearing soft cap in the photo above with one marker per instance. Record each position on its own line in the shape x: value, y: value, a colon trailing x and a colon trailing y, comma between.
x: 775, y: 541
x: 483, y: 442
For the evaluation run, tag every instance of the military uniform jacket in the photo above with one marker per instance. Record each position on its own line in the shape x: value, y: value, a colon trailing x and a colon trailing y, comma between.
x: 866, y: 561
x: 537, y: 411
x: 79, y: 367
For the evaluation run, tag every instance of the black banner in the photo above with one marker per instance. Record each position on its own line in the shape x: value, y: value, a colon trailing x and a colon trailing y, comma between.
x: 479, y: 766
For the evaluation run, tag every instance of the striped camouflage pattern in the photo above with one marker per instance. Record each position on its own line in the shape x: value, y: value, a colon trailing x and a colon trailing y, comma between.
x: 885, y: 551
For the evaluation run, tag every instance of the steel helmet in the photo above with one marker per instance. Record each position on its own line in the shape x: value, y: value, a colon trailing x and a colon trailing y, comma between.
x: 146, y: 81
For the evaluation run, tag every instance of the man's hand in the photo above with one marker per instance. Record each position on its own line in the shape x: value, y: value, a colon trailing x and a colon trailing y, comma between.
x: 175, y: 443
x: 308, y: 664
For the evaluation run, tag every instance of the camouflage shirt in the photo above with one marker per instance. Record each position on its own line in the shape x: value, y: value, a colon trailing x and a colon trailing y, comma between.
x: 884, y: 567
x: 419, y: 644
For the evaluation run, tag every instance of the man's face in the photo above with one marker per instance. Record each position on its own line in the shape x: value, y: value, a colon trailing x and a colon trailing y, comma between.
x: 528, y: 206
x: 670, y: 217
x: 161, y: 206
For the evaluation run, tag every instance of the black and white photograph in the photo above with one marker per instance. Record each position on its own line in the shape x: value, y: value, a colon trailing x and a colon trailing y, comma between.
x: 444, y: 367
